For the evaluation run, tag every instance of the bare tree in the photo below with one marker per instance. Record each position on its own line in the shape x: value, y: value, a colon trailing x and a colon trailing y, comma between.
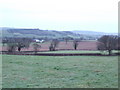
x: 36, y: 47
x: 4, y: 41
x: 66, y: 39
x: 11, y: 47
x: 107, y: 42
x: 53, y: 45
x: 118, y: 43
x: 18, y: 43
x: 23, y: 43
x: 75, y: 44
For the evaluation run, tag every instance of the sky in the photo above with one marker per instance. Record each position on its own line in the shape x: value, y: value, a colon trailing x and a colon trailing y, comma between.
x: 62, y: 15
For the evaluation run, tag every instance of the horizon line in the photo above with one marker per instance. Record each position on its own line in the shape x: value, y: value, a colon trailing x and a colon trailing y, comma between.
x: 56, y: 30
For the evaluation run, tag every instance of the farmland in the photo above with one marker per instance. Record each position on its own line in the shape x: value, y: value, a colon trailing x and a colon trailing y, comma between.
x: 63, y: 71
x: 83, y: 45
x: 59, y: 72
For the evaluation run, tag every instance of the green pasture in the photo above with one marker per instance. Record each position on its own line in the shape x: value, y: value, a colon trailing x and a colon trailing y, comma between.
x: 80, y: 51
x: 59, y: 71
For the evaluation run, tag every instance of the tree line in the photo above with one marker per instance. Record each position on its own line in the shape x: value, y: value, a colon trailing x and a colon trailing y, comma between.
x: 105, y: 43
x: 19, y: 43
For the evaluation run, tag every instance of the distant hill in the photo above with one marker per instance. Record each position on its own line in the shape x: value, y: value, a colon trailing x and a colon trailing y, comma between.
x: 86, y: 32
x: 17, y: 32
x: 38, y: 33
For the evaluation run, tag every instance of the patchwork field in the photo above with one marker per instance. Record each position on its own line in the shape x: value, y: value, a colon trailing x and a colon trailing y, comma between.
x: 60, y: 71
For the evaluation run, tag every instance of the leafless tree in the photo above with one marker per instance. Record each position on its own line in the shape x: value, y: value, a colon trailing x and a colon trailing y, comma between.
x: 75, y: 44
x: 107, y: 42
x: 36, y: 47
x: 4, y: 41
x: 66, y: 39
x: 18, y: 43
x: 118, y: 44
x: 53, y: 45
x: 23, y: 43
x: 11, y: 47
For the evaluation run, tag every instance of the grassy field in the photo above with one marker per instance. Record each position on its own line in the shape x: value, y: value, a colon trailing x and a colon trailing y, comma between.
x: 59, y: 71
x: 81, y: 51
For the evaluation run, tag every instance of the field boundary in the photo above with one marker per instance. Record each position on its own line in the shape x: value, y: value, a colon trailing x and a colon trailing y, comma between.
x: 58, y: 54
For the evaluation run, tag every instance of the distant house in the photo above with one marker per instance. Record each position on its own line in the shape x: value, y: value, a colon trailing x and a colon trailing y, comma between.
x: 38, y: 41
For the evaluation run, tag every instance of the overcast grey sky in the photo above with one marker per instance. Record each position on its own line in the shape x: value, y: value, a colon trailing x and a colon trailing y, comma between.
x: 94, y: 15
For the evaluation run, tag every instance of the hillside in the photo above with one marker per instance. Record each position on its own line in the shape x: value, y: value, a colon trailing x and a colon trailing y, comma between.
x: 15, y: 32
x: 92, y: 34
x: 86, y: 32
x: 38, y: 33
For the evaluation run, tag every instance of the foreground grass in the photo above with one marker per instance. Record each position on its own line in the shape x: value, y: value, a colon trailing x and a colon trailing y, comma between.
x: 60, y: 71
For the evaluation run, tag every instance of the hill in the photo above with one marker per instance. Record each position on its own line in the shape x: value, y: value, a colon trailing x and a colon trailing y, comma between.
x: 17, y: 32
x: 92, y: 34
x: 38, y: 33
x: 86, y: 32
